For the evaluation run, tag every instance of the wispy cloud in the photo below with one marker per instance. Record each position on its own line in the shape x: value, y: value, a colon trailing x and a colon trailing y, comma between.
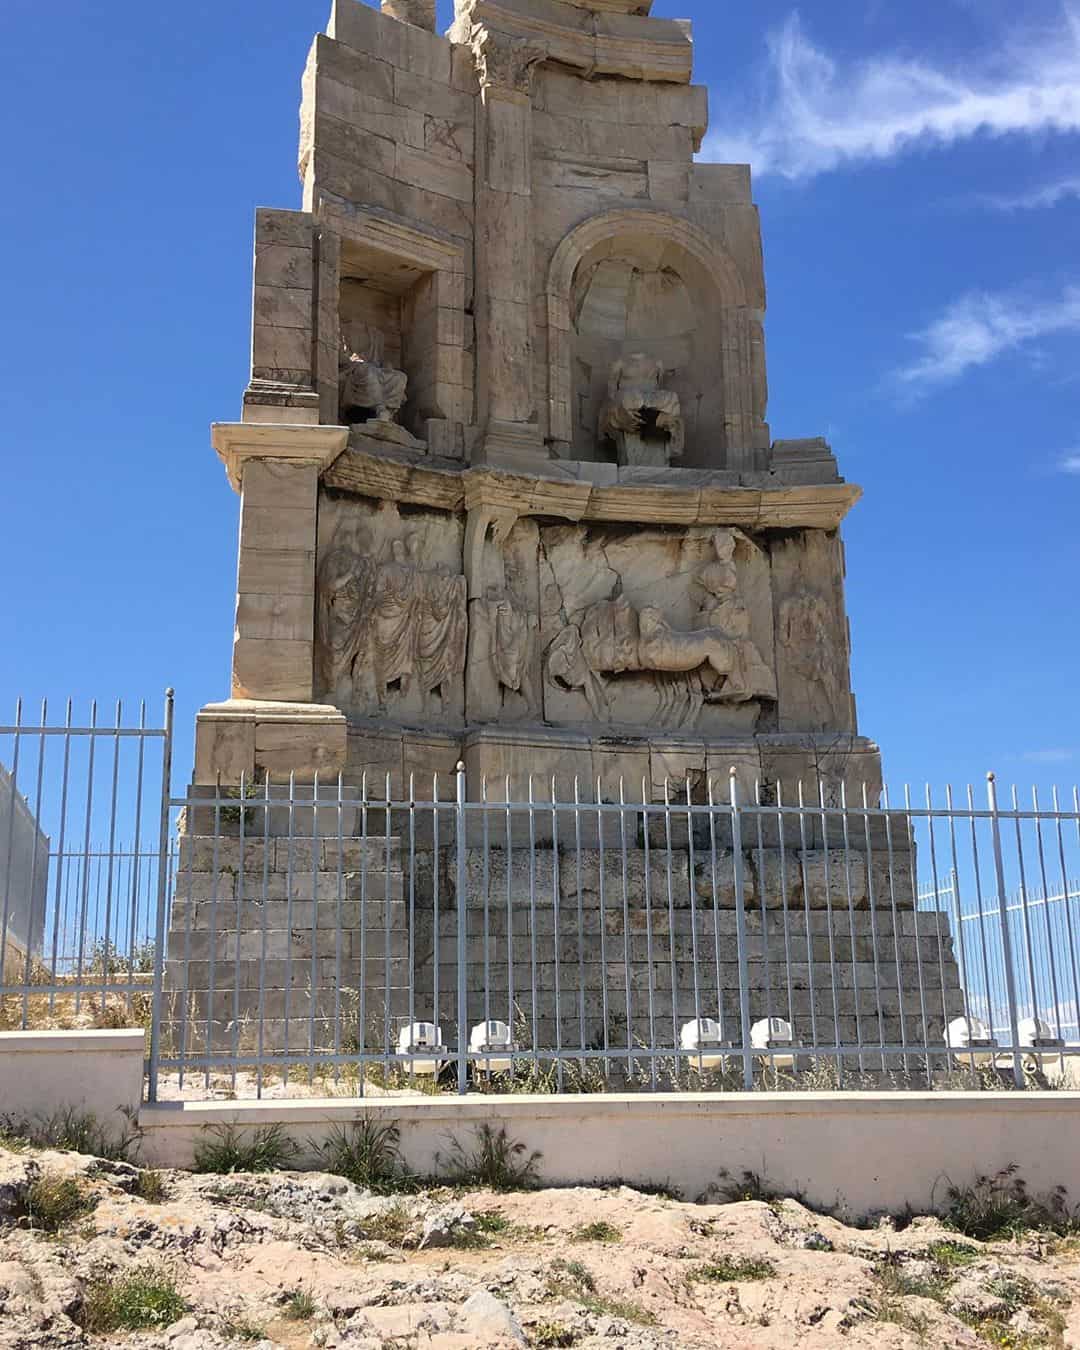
x: 1056, y: 755
x: 816, y: 116
x: 1070, y: 463
x: 1036, y: 199
x: 980, y: 327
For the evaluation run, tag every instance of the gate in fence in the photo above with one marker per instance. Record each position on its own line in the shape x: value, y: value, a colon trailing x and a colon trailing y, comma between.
x: 277, y: 937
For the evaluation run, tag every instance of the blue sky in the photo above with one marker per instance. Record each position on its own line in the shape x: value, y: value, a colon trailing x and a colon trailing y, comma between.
x: 919, y: 181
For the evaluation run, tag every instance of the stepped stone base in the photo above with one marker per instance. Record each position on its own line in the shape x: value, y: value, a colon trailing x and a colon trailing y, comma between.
x: 311, y: 945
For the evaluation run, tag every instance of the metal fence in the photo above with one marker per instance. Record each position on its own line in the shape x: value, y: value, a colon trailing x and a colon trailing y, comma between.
x: 283, y: 938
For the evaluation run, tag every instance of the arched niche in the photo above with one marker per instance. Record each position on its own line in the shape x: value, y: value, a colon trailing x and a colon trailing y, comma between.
x: 628, y: 281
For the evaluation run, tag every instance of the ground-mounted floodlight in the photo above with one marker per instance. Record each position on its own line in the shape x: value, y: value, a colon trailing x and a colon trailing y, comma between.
x: 776, y: 1036
x: 426, y: 1038
x: 971, y: 1040
x: 1035, y: 1034
x: 492, y: 1036
x: 702, y: 1038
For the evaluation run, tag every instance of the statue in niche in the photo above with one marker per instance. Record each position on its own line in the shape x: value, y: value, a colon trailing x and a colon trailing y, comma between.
x: 390, y: 624
x: 642, y: 417
x: 371, y: 394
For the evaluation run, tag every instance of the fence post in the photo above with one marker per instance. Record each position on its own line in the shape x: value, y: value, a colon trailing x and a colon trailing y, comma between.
x: 462, y: 939
x: 1006, y: 940
x: 162, y: 898
x: 740, y: 933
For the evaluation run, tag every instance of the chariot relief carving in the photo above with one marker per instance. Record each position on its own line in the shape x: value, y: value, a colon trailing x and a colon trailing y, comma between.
x: 691, y: 648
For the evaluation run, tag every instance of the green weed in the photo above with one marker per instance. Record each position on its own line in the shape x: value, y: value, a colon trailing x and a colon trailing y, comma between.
x: 368, y: 1155
x: 494, y: 1160
x: 732, y: 1270
x: 224, y: 1149
x: 144, y: 1298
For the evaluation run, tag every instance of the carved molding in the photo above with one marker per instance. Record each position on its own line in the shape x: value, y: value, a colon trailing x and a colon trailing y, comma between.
x: 408, y: 480
x: 505, y: 63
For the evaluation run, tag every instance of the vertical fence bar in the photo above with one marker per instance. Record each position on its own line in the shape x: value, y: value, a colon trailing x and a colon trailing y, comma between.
x: 162, y: 897
x: 1006, y: 938
x: 462, y: 937
x: 740, y: 932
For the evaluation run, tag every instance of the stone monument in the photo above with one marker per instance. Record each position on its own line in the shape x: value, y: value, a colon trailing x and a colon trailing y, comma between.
x: 508, y: 495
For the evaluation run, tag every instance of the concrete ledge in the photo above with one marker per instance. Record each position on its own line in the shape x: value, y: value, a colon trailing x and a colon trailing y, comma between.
x: 862, y: 1151
x: 46, y: 1071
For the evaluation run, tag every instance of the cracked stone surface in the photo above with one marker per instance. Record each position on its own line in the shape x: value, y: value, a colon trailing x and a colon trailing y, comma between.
x: 445, y: 1270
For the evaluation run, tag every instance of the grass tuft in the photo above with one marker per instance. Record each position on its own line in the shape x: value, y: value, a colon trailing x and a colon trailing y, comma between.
x: 553, y: 1336
x: 999, y: 1207
x: 299, y: 1306
x: 71, y: 1131
x: 144, y: 1298
x: 600, y: 1231
x: 732, y: 1270
x: 494, y: 1160
x: 224, y: 1149
x: 53, y: 1201
x: 150, y: 1186
x: 241, y: 1330
x: 368, y: 1155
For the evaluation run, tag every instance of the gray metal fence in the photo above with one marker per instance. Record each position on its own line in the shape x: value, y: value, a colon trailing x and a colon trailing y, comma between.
x: 286, y: 938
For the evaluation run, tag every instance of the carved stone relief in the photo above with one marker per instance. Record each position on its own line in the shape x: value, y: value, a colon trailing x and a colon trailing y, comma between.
x: 503, y: 676
x: 652, y: 629
x: 812, y: 660
x: 392, y: 614
x: 641, y: 417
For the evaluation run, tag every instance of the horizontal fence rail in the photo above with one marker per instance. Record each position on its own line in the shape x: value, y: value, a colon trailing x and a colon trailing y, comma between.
x: 277, y: 937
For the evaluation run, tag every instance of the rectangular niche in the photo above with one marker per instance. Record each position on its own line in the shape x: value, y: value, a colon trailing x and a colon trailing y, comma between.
x: 400, y: 299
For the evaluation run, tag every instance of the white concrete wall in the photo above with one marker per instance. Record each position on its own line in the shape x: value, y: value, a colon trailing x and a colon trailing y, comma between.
x: 42, y: 1072
x: 863, y: 1151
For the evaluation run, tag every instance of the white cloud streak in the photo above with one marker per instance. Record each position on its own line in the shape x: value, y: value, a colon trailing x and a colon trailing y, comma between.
x: 1037, y: 199
x: 980, y: 327
x: 1070, y: 463
x: 817, y: 117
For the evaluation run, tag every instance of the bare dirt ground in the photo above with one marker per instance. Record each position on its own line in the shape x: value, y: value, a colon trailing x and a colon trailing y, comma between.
x: 305, y: 1259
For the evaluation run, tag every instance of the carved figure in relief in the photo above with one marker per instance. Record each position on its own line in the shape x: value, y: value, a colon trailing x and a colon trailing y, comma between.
x: 388, y: 623
x: 723, y: 608
x: 369, y: 390
x: 642, y: 417
x: 808, y: 631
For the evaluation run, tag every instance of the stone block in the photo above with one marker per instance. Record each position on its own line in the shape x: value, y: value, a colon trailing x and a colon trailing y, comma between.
x: 276, y: 571
x: 275, y: 616
x: 278, y: 527
x: 272, y: 668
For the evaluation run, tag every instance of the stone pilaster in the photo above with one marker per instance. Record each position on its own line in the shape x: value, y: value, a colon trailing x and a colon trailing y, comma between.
x: 276, y: 471
x: 504, y: 245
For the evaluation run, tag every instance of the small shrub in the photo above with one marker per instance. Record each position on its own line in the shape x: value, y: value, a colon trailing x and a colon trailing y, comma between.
x: 494, y: 1160
x: 998, y: 1207
x: 53, y: 1200
x: 144, y: 1298
x: 391, y: 1226
x: 553, y: 1336
x: 732, y: 1270
x: 600, y: 1231
x: 895, y: 1282
x: 225, y: 1149
x: 299, y: 1307
x: 368, y: 1155
x: 150, y: 1186
x: 947, y: 1253
x: 571, y: 1279
x: 732, y: 1190
x: 493, y: 1224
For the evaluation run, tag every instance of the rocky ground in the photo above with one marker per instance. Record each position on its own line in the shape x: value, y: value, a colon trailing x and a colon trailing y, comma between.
x: 306, y: 1259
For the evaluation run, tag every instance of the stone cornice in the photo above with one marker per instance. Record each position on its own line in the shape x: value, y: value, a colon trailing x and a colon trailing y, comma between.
x: 700, y: 502
x: 237, y: 442
x: 613, y: 42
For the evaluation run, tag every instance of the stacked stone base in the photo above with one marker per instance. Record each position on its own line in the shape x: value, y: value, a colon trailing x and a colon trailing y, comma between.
x: 304, y: 946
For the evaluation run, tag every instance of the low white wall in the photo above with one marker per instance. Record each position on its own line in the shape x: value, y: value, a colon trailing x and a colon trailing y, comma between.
x: 42, y: 1072
x: 862, y: 1151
